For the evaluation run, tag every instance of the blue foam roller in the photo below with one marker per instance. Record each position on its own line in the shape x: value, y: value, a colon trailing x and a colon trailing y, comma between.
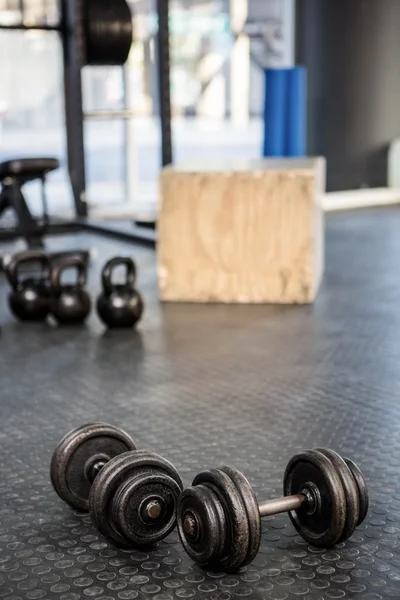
x: 296, y: 118
x: 274, y: 112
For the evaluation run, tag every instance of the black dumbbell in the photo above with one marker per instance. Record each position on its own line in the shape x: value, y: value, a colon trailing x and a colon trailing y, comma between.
x: 131, y: 494
x: 70, y: 304
x: 29, y: 299
x: 219, y: 516
x: 119, y: 305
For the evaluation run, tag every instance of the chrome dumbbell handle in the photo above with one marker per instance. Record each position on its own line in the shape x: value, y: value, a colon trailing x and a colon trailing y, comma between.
x: 280, y: 505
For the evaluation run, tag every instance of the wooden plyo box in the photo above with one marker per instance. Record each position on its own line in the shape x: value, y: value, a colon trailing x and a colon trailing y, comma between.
x: 249, y: 232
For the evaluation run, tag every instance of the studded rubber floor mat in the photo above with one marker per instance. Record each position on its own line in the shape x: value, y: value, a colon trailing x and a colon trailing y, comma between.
x: 246, y: 386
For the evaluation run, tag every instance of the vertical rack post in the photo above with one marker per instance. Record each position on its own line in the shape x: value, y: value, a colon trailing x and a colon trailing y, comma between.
x: 163, y: 64
x: 73, y: 54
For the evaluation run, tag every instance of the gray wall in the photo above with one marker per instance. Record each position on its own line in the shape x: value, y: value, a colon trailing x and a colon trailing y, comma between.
x: 351, y: 50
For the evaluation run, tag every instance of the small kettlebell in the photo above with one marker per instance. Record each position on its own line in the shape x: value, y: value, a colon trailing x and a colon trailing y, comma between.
x: 29, y: 299
x: 70, y: 304
x: 119, y: 305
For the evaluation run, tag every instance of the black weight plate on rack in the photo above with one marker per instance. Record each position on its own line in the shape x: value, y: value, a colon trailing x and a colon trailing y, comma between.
x: 68, y: 467
x: 108, y: 32
x: 326, y: 525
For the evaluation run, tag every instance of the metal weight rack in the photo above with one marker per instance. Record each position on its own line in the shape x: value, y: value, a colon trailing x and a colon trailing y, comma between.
x: 70, y: 28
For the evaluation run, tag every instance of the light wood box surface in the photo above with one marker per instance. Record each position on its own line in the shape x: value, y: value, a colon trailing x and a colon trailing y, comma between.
x: 249, y: 232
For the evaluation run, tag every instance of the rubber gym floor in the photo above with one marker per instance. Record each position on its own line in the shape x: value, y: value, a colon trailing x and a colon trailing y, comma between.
x: 247, y: 386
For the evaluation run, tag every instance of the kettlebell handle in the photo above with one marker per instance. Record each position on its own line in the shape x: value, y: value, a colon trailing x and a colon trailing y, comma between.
x: 113, y: 263
x: 27, y: 256
x: 62, y: 265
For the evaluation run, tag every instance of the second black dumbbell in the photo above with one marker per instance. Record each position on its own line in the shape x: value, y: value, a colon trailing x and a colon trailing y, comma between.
x: 131, y: 494
x: 219, y: 516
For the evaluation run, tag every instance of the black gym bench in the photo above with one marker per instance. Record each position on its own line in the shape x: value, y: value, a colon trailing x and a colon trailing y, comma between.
x: 14, y: 174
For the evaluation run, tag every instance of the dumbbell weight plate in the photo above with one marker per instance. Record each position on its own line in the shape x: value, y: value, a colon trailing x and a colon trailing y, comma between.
x: 126, y: 493
x: 76, y: 452
x: 253, y: 514
x: 362, y: 489
x: 236, y: 519
x: 314, y: 471
x: 202, y: 524
x: 350, y: 489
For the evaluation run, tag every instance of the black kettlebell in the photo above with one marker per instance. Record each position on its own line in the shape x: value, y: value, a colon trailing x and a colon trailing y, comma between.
x: 29, y: 299
x: 70, y: 304
x: 119, y: 305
